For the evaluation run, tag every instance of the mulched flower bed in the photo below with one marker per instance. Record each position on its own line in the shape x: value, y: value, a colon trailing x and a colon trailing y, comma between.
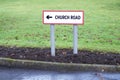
x: 62, y: 55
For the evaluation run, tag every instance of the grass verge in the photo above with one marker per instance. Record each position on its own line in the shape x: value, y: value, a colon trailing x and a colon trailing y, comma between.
x: 21, y: 24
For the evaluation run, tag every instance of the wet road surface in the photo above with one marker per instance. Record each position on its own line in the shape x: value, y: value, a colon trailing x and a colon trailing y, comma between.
x: 25, y: 74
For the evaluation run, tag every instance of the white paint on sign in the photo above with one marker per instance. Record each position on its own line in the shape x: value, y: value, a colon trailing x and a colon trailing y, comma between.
x: 63, y: 17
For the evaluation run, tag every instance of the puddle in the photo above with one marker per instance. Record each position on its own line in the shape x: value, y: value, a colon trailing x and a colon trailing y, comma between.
x: 22, y: 74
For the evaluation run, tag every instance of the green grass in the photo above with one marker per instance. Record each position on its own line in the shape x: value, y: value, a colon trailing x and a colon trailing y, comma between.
x: 21, y: 24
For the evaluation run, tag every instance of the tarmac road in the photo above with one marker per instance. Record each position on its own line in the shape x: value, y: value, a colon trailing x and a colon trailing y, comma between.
x: 27, y: 74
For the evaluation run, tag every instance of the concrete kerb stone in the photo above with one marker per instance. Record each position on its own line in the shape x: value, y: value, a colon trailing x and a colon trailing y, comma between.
x: 55, y: 66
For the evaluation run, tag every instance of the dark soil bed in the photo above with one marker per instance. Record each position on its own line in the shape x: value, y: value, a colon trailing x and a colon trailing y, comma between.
x: 62, y: 55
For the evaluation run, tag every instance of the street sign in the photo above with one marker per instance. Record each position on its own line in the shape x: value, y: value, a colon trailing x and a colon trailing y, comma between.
x: 74, y: 17
x: 63, y: 17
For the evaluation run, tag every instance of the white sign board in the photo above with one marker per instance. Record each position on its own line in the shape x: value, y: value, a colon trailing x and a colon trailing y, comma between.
x: 63, y: 17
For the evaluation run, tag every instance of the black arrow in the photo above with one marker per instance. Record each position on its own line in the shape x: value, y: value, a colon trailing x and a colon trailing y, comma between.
x: 48, y: 17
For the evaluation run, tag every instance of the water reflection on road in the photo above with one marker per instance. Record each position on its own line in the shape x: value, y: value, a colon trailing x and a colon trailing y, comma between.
x: 22, y: 74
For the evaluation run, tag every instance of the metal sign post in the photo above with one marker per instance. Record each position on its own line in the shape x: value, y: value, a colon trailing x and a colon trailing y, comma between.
x: 73, y: 17
x: 75, y: 39
x: 52, y: 39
